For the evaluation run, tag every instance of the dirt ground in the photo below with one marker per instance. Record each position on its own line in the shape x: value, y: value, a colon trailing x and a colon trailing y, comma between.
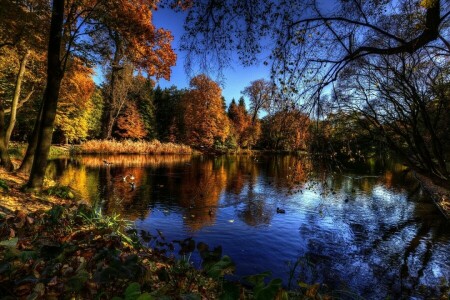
x: 12, y: 197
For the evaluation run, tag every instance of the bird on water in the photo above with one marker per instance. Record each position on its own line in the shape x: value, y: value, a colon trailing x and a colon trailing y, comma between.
x: 280, y: 211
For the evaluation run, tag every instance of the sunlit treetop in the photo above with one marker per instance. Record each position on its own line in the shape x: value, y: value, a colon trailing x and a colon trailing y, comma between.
x: 308, y: 43
x: 94, y: 29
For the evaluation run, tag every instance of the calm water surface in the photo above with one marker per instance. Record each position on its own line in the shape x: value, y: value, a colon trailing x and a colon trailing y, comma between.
x: 368, y: 230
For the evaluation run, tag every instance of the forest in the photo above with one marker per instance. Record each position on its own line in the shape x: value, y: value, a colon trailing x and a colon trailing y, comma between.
x: 350, y: 81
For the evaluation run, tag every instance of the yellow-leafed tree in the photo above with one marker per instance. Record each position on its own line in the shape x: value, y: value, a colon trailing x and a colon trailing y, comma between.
x: 75, y: 104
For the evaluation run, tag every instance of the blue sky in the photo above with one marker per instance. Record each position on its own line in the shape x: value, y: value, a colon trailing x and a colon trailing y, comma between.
x: 236, y: 78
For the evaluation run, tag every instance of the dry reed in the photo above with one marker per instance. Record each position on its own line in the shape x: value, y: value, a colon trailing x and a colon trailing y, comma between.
x: 131, y: 147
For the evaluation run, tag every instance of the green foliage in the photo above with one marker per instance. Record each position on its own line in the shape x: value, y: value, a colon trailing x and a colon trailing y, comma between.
x: 10, y: 243
x: 58, y: 152
x: 94, y: 120
x: 4, y: 185
x: 219, y: 145
x: 231, y: 142
x: 16, y: 150
x: 231, y: 291
x: 142, y: 94
x: 77, y: 282
x: 168, y: 113
x: 224, y: 266
x: 60, y: 191
x: 133, y: 292
x: 214, y: 264
x: 264, y: 291
x: 117, y: 268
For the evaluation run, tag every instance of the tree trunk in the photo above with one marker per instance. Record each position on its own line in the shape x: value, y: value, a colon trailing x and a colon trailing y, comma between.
x: 50, y: 99
x: 5, y: 160
x: 108, y: 113
x: 15, y: 102
x: 27, y: 161
x: 108, y: 123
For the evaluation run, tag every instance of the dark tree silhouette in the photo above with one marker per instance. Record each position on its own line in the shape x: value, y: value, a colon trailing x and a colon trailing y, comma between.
x: 311, y: 41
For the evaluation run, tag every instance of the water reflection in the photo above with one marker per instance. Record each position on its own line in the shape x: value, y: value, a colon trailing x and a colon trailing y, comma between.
x: 368, y: 229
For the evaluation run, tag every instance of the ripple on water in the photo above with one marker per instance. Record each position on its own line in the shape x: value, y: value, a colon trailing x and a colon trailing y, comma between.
x: 351, y: 232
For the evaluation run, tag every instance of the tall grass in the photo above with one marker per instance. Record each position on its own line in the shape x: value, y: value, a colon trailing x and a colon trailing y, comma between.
x: 131, y: 147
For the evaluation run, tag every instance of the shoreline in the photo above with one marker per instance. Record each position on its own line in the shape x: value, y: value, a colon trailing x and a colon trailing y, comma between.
x: 438, y: 194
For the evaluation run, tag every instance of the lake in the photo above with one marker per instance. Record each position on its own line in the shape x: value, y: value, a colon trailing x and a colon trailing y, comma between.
x: 366, y: 229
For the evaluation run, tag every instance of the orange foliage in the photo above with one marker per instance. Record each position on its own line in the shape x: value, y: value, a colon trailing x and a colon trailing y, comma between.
x: 147, y: 47
x: 288, y: 130
x: 205, y: 118
x: 247, y: 131
x: 130, y: 124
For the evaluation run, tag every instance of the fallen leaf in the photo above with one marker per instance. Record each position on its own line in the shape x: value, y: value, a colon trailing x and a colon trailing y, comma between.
x: 53, y: 281
x: 30, y: 220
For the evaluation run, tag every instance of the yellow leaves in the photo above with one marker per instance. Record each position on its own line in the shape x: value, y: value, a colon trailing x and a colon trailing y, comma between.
x: 428, y: 3
x: 75, y: 101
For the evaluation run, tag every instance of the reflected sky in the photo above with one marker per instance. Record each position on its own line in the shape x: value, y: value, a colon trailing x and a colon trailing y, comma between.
x: 368, y: 229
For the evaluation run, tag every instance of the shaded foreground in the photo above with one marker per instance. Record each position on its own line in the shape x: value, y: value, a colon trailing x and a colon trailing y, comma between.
x: 69, y: 251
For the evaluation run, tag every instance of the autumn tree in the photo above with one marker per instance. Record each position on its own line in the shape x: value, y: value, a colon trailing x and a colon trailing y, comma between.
x: 141, y: 93
x: 247, y: 132
x: 147, y: 48
x: 314, y: 43
x: 259, y: 93
x: 130, y: 123
x: 286, y: 130
x: 74, y: 106
x: 204, y: 116
x: 23, y: 23
x: 115, y: 94
x: 21, y: 33
x: 127, y: 37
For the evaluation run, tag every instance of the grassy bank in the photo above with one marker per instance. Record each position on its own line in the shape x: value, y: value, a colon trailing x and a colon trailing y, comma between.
x: 17, y: 151
x: 131, y: 147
